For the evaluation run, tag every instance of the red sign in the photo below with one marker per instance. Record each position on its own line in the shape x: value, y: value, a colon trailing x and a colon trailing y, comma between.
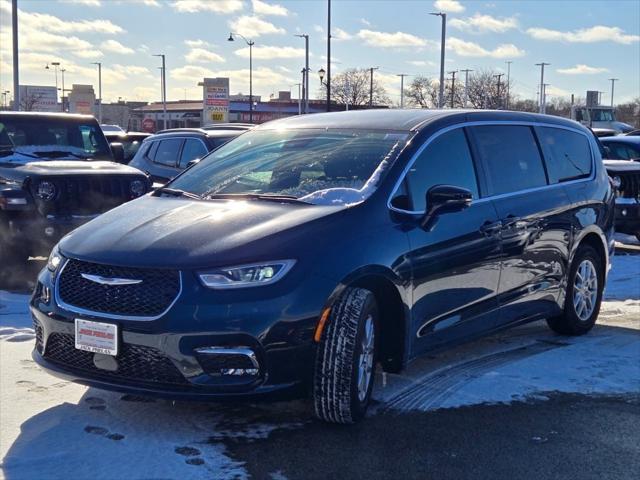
x: 149, y: 125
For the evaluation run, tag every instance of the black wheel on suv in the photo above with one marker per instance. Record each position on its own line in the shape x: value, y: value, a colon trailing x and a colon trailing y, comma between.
x: 585, y: 285
x: 345, y: 363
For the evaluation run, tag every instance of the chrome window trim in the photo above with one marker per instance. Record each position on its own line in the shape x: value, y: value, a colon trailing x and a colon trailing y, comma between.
x: 523, y: 123
x: 82, y: 311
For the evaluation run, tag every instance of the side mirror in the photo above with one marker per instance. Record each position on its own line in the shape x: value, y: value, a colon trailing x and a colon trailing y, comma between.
x: 443, y: 199
x: 118, y: 152
x: 193, y: 162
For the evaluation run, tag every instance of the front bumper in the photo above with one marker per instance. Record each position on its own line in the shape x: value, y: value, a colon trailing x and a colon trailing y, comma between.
x: 165, y: 357
x: 627, y: 215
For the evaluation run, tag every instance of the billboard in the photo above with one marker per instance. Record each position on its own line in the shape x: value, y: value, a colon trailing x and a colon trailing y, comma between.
x: 34, y: 98
x: 215, y: 100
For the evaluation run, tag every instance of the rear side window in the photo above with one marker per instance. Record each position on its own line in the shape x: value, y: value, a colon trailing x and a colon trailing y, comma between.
x: 445, y: 161
x: 152, y: 148
x: 567, y: 154
x: 622, y: 152
x: 168, y: 151
x: 510, y: 156
x: 192, y: 149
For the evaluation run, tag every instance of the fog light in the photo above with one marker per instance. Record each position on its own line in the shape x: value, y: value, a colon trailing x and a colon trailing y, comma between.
x: 234, y: 361
x: 49, y: 231
x: 624, y: 212
x: 239, y: 371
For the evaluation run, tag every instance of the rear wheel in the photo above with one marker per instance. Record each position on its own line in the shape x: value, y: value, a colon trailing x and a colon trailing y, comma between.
x: 584, y: 294
x: 345, y: 363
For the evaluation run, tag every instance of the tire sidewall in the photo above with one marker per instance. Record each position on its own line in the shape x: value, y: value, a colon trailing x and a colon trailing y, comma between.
x: 585, y: 253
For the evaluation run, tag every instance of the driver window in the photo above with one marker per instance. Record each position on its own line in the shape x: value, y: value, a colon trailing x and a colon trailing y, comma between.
x: 445, y: 161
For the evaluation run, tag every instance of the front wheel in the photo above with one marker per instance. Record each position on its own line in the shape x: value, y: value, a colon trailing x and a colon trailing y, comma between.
x: 345, y: 362
x: 585, y: 285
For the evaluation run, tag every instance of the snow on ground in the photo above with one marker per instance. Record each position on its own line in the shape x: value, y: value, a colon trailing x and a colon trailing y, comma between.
x: 74, y: 432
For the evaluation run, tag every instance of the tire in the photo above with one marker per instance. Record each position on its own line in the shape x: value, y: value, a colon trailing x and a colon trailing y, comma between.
x: 580, y: 317
x: 337, y: 396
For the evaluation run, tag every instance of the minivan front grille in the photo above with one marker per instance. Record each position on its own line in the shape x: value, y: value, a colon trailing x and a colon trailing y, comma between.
x: 153, y: 292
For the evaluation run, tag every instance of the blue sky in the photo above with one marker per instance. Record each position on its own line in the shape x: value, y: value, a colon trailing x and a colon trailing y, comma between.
x: 586, y: 42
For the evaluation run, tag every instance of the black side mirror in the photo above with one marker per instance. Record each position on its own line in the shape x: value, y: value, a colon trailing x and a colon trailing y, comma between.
x: 193, y: 162
x: 118, y: 152
x: 443, y: 199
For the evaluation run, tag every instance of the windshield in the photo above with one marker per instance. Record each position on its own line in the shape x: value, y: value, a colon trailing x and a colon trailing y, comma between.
x: 602, y: 115
x: 27, y: 139
x: 320, y: 166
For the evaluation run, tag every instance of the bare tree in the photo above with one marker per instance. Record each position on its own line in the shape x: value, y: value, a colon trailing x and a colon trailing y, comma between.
x: 30, y: 101
x: 629, y: 112
x: 422, y: 92
x: 523, y: 105
x: 483, y: 90
x: 353, y: 86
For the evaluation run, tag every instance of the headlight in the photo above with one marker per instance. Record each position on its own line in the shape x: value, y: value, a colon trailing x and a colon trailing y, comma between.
x: 617, y: 182
x: 55, y: 259
x: 246, y: 275
x: 137, y: 188
x: 46, y: 190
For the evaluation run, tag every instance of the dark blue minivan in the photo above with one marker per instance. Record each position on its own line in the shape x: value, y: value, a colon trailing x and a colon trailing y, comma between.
x: 305, y: 252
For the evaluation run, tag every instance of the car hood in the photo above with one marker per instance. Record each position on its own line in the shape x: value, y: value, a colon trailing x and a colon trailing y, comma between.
x: 621, y: 165
x: 65, y: 168
x: 182, y: 233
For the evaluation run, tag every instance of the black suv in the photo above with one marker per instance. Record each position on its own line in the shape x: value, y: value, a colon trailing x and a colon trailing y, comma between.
x: 308, y: 250
x: 56, y: 173
x: 166, y: 154
x: 130, y: 141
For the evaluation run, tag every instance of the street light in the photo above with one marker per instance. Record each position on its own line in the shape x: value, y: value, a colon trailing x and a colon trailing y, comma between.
x: 442, y: 45
x: 55, y: 66
x: 62, y: 70
x: 99, y: 64
x: 305, y: 87
x: 251, y: 43
x: 321, y: 74
x: 164, y: 89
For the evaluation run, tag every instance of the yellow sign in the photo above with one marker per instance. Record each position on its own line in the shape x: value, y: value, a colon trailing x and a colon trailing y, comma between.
x: 217, y: 116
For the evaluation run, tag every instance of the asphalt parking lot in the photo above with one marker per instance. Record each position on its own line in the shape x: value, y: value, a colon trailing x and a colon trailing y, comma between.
x: 525, y: 403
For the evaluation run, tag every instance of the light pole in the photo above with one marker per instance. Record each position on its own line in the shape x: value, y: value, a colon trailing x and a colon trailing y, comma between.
x: 542, y: 96
x: 402, y: 75
x: 613, y: 81
x: 99, y: 64
x: 251, y: 43
x: 62, y: 70
x: 371, y: 85
x: 453, y: 87
x: 55, y: 66
x: 442, y: 46
x: 508, y: 82
x: 16, y: 63
x: 164, y: 89
x: 305, y: 79
x: 499, y: 77
x: 466, y: 86
x: 328, y: 82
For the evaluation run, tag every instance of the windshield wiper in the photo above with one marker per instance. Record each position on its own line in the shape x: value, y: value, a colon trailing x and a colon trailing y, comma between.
x: 5, y: 152
x: 175, y: 192
x: 258, y: 196
x: 60, y: 153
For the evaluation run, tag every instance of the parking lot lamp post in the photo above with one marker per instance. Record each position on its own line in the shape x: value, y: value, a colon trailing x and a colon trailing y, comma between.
x: 305, y: 80
x: 251, y: 43
x: 542, y: 99
x: 99, y: 64
x: 163, y: 69
x: 613, y: 81
x: 62, y: 70
x: 55, y: 66
x: 16, y: 63
x: 442, y: 46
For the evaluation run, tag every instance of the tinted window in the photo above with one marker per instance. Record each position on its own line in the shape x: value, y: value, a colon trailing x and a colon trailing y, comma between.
x: 621, y: 151
x: 151, y: 149
x: 510, y: 157
x: 445, y: 161
x: 168, y: 151
x: 192, y: 149
x: 567, y: 153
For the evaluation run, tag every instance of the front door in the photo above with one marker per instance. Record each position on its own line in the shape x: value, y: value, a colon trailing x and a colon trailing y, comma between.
x: 455, y: 262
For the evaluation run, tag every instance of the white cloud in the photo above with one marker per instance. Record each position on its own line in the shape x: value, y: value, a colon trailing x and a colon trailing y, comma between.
x: 114, y: 46
x: 598, y: 33
x: 196, y: 43
x: 284, y: 69
x: 150, y: 3
x: 133, y: 70
x: 582, y: 69
x: 339, y: 34
x: 266, y: 52
x: 263, y: 77
x: 365, y: 22
x: 217, y: 6
x: 91, y: 54
x: 484, y: 23
x: 252, y: 26
x: 263, y: 8
x: 201, y: 55
x: 470, y: 49
x: 86, y: 3
x: 390, y: 40
x: 452, y: 6
x: 318, y: 28
x: 421, y: 63
x: 550, y: 90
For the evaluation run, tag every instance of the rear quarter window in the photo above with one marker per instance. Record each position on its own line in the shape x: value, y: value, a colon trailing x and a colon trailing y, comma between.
x: 567, y: 154
x: 510, y: 158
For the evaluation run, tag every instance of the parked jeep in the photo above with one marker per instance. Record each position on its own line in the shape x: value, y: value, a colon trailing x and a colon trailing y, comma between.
x: 57, y: 171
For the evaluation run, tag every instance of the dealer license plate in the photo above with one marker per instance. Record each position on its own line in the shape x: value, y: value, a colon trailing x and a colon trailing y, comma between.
x: 96, y: 337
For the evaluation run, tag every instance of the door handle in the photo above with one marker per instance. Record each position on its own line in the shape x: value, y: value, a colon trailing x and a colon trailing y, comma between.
x: 490, y: 229
x: 514, y: 223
